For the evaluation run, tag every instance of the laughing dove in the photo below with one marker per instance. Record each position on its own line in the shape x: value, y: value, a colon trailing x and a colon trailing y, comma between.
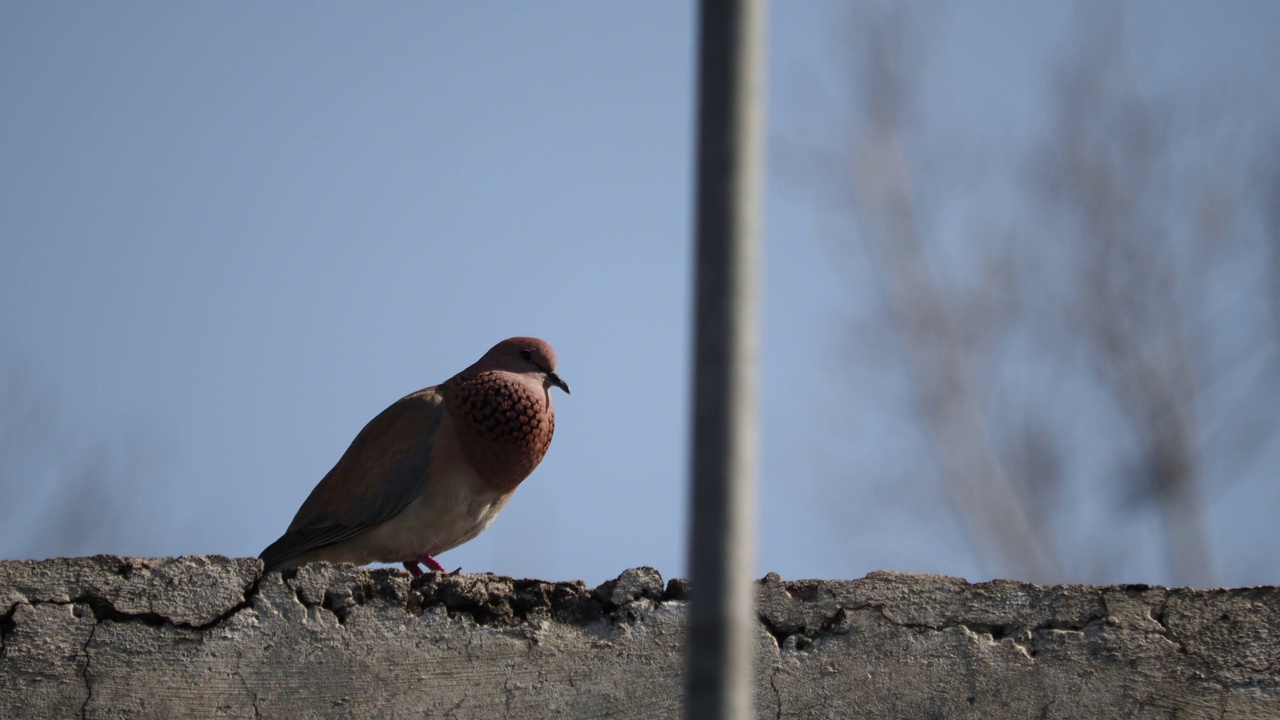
x: 433, y: 470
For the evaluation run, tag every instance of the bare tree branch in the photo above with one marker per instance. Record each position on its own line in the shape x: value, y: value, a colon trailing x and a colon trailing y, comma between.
x: 1103, y: 296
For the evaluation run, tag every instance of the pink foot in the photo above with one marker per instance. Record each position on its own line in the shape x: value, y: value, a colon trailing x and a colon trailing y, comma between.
x: 430, y: 562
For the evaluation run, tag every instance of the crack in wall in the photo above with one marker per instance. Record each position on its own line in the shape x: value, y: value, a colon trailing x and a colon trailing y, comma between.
x: 1028, y: 638
x: 103, y: 609
x: 1032, y: 638
x: 7, y: 626
x: 777, y: 694
x: 453, y: 711
x: 471, y: 662
x: 250, y: 593
x: 84, y: 672
x: 244, y: 682
x: 510, y: 692
x: 1157, y: 614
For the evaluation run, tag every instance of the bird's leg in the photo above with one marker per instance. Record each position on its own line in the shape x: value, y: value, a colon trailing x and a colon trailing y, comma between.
x: 431, y: 563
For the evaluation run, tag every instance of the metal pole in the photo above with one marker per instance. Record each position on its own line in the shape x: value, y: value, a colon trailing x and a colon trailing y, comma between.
x: 722, y: 539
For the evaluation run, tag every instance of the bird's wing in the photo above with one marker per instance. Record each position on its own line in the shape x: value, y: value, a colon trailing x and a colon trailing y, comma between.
x: 379, y: 474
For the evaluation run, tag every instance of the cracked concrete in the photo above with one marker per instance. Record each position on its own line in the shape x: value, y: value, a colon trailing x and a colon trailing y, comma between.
x: 110, y: 637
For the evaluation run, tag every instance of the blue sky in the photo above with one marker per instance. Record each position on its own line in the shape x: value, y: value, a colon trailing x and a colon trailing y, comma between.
x: 231, y: 233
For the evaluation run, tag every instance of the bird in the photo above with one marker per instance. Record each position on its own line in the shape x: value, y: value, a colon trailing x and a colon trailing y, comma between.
x: 434, y: 469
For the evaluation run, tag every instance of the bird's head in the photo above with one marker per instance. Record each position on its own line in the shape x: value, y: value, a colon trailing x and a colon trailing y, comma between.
x: 526, y: 356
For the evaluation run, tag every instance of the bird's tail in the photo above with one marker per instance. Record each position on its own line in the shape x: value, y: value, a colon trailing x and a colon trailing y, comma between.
x: 277, y: 556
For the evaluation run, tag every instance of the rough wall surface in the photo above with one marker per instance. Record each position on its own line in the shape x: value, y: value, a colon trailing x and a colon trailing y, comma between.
x: 202, y: 637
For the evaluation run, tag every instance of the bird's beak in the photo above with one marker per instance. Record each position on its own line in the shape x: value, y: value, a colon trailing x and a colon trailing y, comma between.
x: 554, y: 379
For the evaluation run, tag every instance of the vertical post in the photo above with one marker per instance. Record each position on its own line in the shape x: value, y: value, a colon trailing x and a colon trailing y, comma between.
x: 722, y: 539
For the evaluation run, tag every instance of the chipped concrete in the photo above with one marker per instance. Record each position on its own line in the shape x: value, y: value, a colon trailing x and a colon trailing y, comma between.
x: 109, y: 637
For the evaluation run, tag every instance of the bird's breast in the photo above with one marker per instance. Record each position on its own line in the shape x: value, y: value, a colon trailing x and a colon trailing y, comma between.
x: 453, y: 508
x: 504, y: 427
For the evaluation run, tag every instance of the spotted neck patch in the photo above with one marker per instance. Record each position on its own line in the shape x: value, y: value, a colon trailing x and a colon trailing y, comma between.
x: 504, y: 424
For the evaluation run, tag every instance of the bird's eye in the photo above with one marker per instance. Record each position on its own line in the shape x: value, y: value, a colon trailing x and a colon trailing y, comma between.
x: 526, y: 355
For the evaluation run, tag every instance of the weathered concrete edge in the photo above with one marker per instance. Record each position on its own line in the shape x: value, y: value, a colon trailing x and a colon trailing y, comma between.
x: 200, y: 592
x: 76, y: 634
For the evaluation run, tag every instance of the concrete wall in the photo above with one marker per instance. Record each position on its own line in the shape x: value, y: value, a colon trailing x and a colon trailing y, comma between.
x: 196, y: 637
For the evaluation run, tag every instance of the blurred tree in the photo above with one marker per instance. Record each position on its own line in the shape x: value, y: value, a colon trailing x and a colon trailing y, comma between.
x: 1088, y: 318
x: 65, y: 495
